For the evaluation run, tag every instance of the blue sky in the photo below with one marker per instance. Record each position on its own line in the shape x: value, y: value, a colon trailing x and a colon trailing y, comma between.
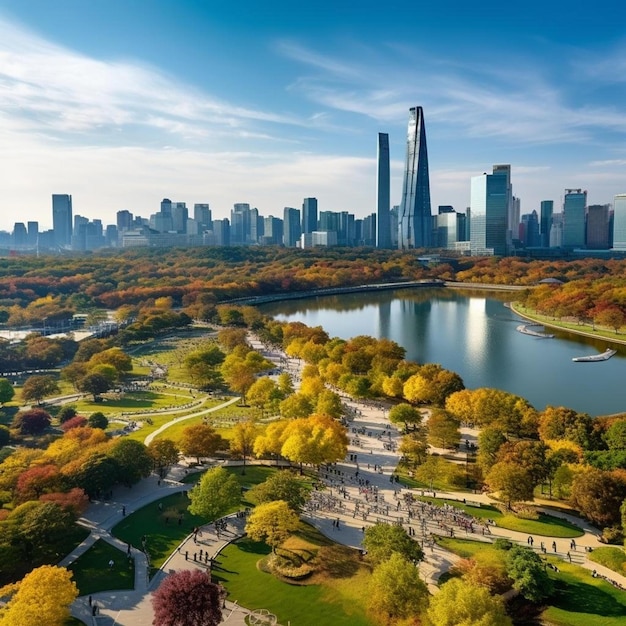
x: 123, y: 102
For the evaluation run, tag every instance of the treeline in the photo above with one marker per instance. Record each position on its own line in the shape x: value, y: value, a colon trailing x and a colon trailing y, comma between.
x: 34, y: 289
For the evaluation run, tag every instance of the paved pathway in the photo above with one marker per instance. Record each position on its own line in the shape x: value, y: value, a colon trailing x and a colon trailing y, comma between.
x: 361, y: 492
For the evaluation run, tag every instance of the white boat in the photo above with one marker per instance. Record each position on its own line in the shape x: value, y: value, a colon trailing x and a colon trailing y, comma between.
x: 604, y: 356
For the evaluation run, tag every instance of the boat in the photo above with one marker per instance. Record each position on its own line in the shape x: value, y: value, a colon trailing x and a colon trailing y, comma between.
x: 526, y: 330
x: 604, y: 356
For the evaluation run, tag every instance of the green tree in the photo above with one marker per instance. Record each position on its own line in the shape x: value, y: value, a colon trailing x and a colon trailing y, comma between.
x: 6, y: 391
x: 414, y: 447
x: 432, y: 470
x: 202, y: 365
x: 405, y: 415
x: 98, y: 420
x: 382, y: 540
x: 95, y: 384
x: 272, y: 522
x: 66, y: 412
x: 5, y: 435
x: 396, y: 590
x: 133, y: 460
x: 329, y: 403
x: 38, y: 387
x: 459, y: 603
x: 490, y: 440
x: 217, y: 493
x: 528, y: 573
x: 615, y: 435
x: 264, y: 394
x: 46, y: 592
x: 281, y: 485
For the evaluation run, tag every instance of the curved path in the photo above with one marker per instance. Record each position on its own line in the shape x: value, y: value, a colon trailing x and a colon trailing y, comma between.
x: 361, y: 492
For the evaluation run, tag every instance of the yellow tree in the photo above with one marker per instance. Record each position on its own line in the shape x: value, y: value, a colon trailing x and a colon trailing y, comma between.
x: 45, y: 594
x: 244, y: 435
x: 271, y: 441
x: 200, y: 440
x: 314, y: 440
x: 272, y: 522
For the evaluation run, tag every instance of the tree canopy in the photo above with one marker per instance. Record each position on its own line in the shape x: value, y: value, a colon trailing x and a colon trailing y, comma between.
x: 217, y: 492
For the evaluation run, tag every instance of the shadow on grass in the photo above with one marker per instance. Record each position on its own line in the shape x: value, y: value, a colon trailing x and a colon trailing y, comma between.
x: 579, y: 597
x: 337, y: 562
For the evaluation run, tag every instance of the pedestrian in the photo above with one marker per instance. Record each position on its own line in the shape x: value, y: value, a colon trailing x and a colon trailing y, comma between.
x: 554, y: 546
x: 111, y: 564
x: 569, y: 557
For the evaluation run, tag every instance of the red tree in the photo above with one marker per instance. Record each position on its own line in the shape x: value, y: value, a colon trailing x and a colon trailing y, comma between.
x: 37, y: 480
x: 188, y: 598
x: 75, y: 500
x: 31, y: 422
x: 78, y: 421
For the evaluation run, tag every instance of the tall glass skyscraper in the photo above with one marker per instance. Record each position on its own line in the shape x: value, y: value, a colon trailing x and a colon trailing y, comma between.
x: 619, y: 222
x: 574, y: 218
x: 62, y: 218
x: 415, y: 219
x: 383, y: 196
x: 490, y: 207
x: 309, y: 215
x: 547, y: 208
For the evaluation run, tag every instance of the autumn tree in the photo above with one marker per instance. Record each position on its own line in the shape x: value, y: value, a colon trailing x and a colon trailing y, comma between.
x: 188, y: 598
x: 244, y: 435
x: 486, y: 568
x: 598, y: 495
x: 264, y: 394
x: 200, y: 440
x: 217, y: 492
x: 281, y: 485
x: 272, y: 522
x: 202, y: 365
x: 46, y: 592
x: 31, y: 422
x: 115, y: 357
x: 38, y: 387
x: 314, y: 440
x: 296, y: 405
x: 164, y: 453
x: 443, y: 429
x: 329, y: 403
x: 396, y: 590
x: 382, y: 540
x: 514, y: 483
x: 414, y: 447
x: 37, y: 480
x: 460, y: 603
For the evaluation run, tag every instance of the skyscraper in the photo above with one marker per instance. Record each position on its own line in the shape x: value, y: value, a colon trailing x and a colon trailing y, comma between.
x: 574, y: 217
x: 619, y: 222
x: 598, y: 227
x: 383, y: 201
x: 545, y: 223
x: 490, y: 209
x: 291, y: 227
x: 415, y: 220
x: 62, y: 218
x: 309, y: 215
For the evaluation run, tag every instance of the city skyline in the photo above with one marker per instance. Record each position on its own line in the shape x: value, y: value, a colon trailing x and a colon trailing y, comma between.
x: 122, y: 104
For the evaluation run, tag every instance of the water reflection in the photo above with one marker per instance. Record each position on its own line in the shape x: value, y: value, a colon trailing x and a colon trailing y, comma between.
x: 474, y: 335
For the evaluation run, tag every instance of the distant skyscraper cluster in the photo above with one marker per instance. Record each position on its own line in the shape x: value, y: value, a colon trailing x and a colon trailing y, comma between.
x: 491, y: 225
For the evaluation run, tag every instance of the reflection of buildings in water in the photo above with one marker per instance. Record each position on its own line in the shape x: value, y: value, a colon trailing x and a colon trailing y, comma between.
x: 413, y: 330
x: 384, y: 318
x: 476, y: 332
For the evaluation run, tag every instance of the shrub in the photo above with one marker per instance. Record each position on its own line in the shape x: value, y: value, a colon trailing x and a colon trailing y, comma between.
x: 75, y: 422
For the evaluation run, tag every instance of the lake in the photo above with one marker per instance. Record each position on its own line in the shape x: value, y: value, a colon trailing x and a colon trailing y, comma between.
x: 474, y: 334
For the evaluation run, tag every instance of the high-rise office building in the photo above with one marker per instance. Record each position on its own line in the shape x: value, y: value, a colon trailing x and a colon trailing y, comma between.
x: 62, y: 218
x: 292, y: 228
x: 239, y: 224
x: 124, y: 220
x: 180, y: 215
x: 415, y: 219
x: 574, y: 218
x: 598, y: 227
x: 33, y: 233
x: 490, y: 210
x: 309, y: 215
x: 202, y: 215
x: 545, y: 222
x: 619, y: 222
x: 383, y: 193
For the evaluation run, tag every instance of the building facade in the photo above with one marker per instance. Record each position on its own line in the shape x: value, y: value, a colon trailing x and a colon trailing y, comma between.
x: 62, y: 219
x: 574, y: 218
x: 383, y: 193
x: 415, y: 219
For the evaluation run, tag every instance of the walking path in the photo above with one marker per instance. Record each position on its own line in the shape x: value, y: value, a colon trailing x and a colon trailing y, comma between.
x: 361, y: 491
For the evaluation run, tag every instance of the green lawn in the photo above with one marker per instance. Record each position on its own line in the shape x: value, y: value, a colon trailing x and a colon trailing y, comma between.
x: 581, y: 600
x: 338, y: 599
x: 544, y: 526
x: 92, y: 572
x: 612, y: 557
x: 161, y: 528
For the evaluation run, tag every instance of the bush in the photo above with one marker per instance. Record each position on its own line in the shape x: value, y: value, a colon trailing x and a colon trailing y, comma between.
x: 31, y: 422
x: 66, y: 413
x: 612, y: 534
x: 75, y: 422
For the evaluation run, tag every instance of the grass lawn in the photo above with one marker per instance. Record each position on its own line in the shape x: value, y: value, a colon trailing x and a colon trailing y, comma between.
x: 544, y: 526
x: 161, y: 528
x: 581, y: 600
x: 163, y: 537
x: 92, y: 573
x: 612, y: 557
x: 336, y: 595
